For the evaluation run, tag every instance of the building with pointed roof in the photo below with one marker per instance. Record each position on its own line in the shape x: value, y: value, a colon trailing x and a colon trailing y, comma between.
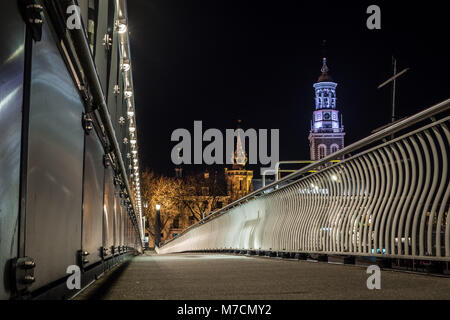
x: 327, y: 130
x: 239, y: 179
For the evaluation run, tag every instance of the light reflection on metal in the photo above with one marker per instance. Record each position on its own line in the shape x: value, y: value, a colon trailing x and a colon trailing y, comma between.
x: 127, y: 68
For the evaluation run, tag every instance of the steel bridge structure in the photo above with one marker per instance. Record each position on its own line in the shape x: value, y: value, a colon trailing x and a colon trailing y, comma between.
x: 70, y: 194
x: 69, y: 179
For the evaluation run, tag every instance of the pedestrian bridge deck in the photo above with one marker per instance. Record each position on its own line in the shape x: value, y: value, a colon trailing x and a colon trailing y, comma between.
x: 225, y: 276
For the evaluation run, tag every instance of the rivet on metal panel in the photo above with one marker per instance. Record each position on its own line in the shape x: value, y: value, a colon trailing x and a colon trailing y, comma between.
x: 105, y: 252
x: 32, y: 15
x: 82, y: 255
x: 116, y: 90
x: 106, y: 160
x: 87, y: 123
x: 107, y: 42
x: 23, y: 273
x: 28, y: 279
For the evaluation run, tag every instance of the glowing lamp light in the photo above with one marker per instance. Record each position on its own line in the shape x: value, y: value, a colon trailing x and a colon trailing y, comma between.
x: 128, y: 93
x: 132, y: 129
x: 133, y: 141
x: 334, y: 177
x: 158, y: 207
x: 130, y: 113
x: 126, y: 67
x: 122, y: 28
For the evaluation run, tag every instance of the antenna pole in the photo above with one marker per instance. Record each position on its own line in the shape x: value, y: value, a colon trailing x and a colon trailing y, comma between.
x: 393, y: 79
x: 394, y: 61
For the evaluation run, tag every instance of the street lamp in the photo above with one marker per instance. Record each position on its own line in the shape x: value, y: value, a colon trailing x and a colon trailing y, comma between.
x: 157, y: 225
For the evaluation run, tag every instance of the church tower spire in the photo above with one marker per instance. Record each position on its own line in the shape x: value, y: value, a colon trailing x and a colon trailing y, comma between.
x: 324, y: 77
x: 240, y: 157
x: 327, y: 132
x: 239, y: 179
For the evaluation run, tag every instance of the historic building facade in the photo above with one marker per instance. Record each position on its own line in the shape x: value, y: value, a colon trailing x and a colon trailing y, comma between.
x: 214, y: 193
x: 238, y: 179
x: 327, y: 130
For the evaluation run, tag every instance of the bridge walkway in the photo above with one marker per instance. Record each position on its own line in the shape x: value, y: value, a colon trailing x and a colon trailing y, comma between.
x: 225, y: 276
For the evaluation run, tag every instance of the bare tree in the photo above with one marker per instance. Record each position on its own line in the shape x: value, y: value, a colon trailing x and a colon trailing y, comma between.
x: 164, y: 191
x: 202, y: 193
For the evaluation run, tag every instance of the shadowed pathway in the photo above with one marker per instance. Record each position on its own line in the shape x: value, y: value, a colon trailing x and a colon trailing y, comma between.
x: 220, y: 276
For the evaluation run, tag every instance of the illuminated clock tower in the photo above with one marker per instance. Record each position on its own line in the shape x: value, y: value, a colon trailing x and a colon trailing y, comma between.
x: 327, y: 131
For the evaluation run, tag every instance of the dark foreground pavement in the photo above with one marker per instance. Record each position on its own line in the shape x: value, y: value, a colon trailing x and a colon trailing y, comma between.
x: 210, y: 277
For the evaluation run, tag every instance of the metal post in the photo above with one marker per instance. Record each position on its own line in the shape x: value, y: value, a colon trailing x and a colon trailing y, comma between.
x: 393, y: 79
x: 394, y: 61
x: 157, y: 227
x: 268, y: 171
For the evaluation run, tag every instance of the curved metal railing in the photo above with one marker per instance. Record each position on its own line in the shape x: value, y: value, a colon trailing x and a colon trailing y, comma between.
x: 388, y: 197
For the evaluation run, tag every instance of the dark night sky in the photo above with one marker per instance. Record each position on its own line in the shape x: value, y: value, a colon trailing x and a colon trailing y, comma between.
x: 219, y: 61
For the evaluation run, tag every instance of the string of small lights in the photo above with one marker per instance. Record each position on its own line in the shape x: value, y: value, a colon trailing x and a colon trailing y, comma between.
x: 132, y: 161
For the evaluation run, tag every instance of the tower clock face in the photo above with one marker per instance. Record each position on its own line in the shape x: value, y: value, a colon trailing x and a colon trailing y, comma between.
x: 326, y: 116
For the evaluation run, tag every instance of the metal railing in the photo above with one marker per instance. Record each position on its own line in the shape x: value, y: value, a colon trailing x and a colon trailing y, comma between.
x: 388, y: 197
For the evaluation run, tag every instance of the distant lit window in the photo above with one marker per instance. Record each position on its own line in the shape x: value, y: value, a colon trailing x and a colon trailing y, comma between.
x: 334, y: 148
x: 322, y: 151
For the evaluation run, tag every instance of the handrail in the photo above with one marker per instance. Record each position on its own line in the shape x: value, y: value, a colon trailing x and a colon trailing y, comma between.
x: 388, y: 131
